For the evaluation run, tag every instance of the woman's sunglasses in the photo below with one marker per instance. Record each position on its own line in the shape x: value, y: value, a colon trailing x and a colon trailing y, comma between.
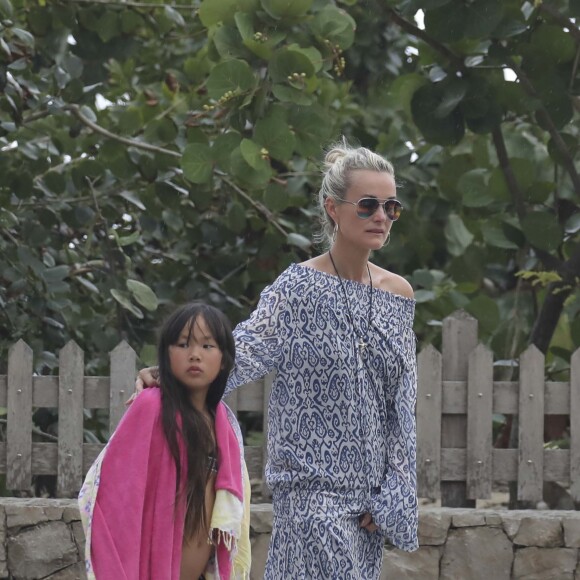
x: 367, y: 206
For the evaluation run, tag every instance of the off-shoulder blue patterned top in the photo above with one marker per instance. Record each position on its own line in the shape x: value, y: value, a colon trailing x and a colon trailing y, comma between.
x: 341, y: 419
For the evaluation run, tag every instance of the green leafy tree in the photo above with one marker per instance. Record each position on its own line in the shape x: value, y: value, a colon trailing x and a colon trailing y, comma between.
x: 153, y: 153
x: 481, y: 112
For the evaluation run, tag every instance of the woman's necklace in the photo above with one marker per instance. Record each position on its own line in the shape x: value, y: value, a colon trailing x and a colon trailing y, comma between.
x: 361, y: 343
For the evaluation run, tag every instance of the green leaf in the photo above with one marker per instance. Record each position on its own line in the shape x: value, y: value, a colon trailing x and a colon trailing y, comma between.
x: 125, y: 301
x: 430, y: 4
x: 229, y: 43
x: 299, y: 241
x: 424, y: 296
x: 551, y: 44
x: 539, y: 191
x: 498, y: 188
x: 143, y: 294
x: 247, y: 175
x: 108, y: 26
x: 402, y: 89
x: 236, y: 217
x: 87, y: 112
x: 486, y: 311
x: 251, y: 153
x: 285, y: 63
x: 130, y: 121
x: 174, y: 16
x: 473, y: 185
x: 482, y: 17
x: 335, y: 25
x: 457, y: 235
x: 196, y: 163
x: 148, y: 355
x: 130, y: 21
x: 244, y: 24
x: 55, y: 274
x: 570, y: 145
x: 273, y: 133
x: 494, y: 235
x: 128, y: 240
x: 6, y: 8
x: 87, y: 284
x: 289, y: 9
x: 132, y: 198
x: 7, y: 218
x: 446, y: 25
x: 447, y: 130
x: 450, y: 172
x: 311, y: 130
x: 211, y: 12
x: 161, y: 131
x: 232, y: 75
x: 542, y: 230
x: 453, y: 94
x: 276, y: 197
x: 287, y: 94
x: 5, y: 48
x: 24, y: 36
x: 223, y: 147
x: 573, y: 224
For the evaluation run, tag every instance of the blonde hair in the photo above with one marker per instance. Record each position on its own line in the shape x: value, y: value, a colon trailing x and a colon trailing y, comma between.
x: 341, y: 158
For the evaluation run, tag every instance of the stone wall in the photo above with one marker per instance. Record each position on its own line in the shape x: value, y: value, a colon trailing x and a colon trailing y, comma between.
x: 44, y: 539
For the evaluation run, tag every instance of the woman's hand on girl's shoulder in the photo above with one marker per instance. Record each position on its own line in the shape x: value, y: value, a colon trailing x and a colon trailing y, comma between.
x: 146, y: 378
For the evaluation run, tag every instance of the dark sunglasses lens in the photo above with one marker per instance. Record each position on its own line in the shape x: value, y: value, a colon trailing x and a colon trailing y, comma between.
x: 393, y: 210
x: 367, y: 207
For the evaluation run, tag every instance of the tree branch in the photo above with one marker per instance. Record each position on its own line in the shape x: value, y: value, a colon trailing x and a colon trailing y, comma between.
x: 556, y: 295
x: 409, y: 27
x: 48, y: 436
x: 560, y: 19
x: 546, y: 119
x: 550, y: 261
x: 256, y: 205
x: 75, y: 110
x: 129, y: 3
x: 504, y: 163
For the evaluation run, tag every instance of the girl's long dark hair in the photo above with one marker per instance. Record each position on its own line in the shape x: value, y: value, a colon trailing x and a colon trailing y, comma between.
x: 175, y: 401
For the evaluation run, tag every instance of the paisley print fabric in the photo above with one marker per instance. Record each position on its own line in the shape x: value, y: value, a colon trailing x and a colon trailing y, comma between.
x: 341, y: 431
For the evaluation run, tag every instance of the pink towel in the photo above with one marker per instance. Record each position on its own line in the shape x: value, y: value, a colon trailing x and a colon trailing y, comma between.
x: 136, y: 529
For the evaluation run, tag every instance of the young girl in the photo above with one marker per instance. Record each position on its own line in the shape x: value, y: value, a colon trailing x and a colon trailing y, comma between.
x: 168, y: 497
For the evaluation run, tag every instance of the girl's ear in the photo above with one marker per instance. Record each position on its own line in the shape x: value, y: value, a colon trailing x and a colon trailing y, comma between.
x: 330, y: 207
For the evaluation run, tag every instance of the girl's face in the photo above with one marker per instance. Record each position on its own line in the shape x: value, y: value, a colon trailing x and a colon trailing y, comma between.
x: 369, y: 233
x: 195, y: 358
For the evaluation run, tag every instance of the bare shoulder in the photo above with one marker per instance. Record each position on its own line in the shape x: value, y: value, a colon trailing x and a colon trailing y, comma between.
x: 391, y: 282
x: 317, y: 263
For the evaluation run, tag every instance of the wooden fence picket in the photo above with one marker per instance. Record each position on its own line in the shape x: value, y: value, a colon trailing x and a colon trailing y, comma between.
x: 456, y: 400
x: 123, y: 373
x: 479, y: 423
x: 531, y: 425
x: 70, y: 425
x: 575, y: 426
x: 459, y: 339
x: 19, y: 418
x: 429, y: 402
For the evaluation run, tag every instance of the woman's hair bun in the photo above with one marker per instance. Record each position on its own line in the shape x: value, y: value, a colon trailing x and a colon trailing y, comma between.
x: 335, y: 155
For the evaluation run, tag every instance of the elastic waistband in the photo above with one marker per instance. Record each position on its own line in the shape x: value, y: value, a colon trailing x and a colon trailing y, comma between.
x: 300, y: 501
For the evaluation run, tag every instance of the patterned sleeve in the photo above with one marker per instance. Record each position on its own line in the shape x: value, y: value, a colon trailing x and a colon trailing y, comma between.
x: 260, y: 339
x: 395, y: 504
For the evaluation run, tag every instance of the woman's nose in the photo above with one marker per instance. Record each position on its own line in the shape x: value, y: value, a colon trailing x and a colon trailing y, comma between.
x: 381, y: 213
